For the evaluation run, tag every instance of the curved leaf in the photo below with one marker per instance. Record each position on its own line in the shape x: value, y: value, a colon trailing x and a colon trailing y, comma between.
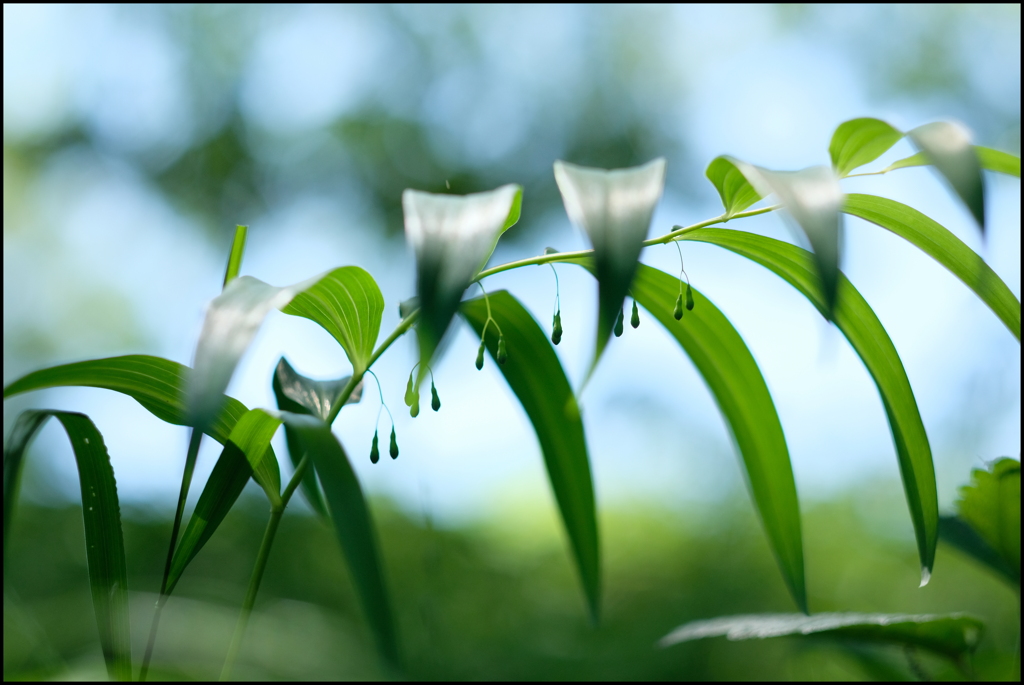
x: 859, y: 141
x: 991, y: 506
x: 735, y: 381
x: 733, y: 187
x: 614, y: 208
x: 948, y: 250
x: 300, y: 395
x: 101, y: 512
x: 949, y: 148
x: 349, y: 305
x: 453, y: 237
x: 952, y: 635
x: 993, y: 160
x: 536, y: 377
x: 855, y: 318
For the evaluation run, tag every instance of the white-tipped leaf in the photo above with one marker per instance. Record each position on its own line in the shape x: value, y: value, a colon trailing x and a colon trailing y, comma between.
x: 948, y: 147
x: 614, y: 208
x: 452, y: 236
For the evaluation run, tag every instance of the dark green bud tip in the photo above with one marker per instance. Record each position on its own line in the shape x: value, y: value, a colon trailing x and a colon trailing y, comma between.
x: 502, y: 355
x: 414, y: 410
x: 394, y: 444
x: 480, y: 356
x: 374, y: 450
x: 410, y: 394
x: 678, y: 311
x: 556, y: 328
x: 435, y: 401
x: 634, y: 320
x: 550, y: 250
x: 689, y: 297
x: 618, y: 324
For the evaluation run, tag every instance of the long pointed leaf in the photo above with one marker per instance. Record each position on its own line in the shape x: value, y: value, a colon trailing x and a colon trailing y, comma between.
x: 101, y: 512
x: 300, y: 395
x: 614, y: 208
x: 951, y: 635
x: 855, y: 318
x: 349, y: 305
x: 940, y: 244
x: 536, y: 377
x: 735, y: 381
x: 949, y: 148
x: 993, y: 160
x: 859, y: 141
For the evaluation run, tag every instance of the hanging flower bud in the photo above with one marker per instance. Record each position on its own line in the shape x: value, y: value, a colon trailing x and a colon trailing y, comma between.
x: 689, y: 297
x: 502, y: 355
x: 480, y: 356
x: 618, y: 324
x: 556, y: 328
x: 394, y: 444
x: 435, y: 401
x: 634, y: 320
x: 374, y: 451
x: 410, y: 395
x: 678, y: 311
x: 414, y: 410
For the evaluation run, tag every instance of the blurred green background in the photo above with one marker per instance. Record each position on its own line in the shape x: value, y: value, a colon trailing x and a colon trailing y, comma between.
x: 135, y: 138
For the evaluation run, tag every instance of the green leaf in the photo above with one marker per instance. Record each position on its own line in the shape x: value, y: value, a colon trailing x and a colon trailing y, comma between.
x: 859, y: 141
x: 735, y: 381
x: 949, y: 148
x: 951, y: 635
x: 614, y: 208
x: 959, y: 534
x: 101, y: 512
x: 300, y: 395
x: 252, y: 436
x: 991, y: 506
x: 235, y: 258
x: 733, y: 187
x: 349, y: 305
x: 453, y: 236
x: 940, y: 244
x: 158, y: 385
x: 855, y: 318
x: 538, y: 381
x: 353, y: 526
x: 993, y: 160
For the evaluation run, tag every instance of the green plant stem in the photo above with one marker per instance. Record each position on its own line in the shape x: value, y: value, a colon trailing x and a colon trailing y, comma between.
x: 186, y: 481
x: 661, y: 240
x: 276, y: 512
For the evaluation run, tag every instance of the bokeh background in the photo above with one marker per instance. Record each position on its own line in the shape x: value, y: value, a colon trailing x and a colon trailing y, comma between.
x: 135, y: 138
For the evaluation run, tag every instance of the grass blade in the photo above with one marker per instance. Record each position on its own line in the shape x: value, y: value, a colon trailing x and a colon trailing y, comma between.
x: 944, y: 247
x: 735, y: 381
x: 536, y: 377
x: 614, y: 208
x: 949, y: 148
x: 235, y: 258
x: 348, y: 304
x: 855, y: 318
x: 101, y: 512
x: 950, y: 635
x: 859, y: 141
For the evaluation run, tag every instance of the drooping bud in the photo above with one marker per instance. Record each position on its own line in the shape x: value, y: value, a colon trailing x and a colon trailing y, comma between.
x: 480, y: 356
x: 394, y: 444
x: 689, y: 297
x: 678, y: 311
x: 414, y: 409
x: 556, y: 328
x: 634, y: 320
x: 618, y: 324
x: 410, y: 395
x: 374, y: 450
x: 502, y: 355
